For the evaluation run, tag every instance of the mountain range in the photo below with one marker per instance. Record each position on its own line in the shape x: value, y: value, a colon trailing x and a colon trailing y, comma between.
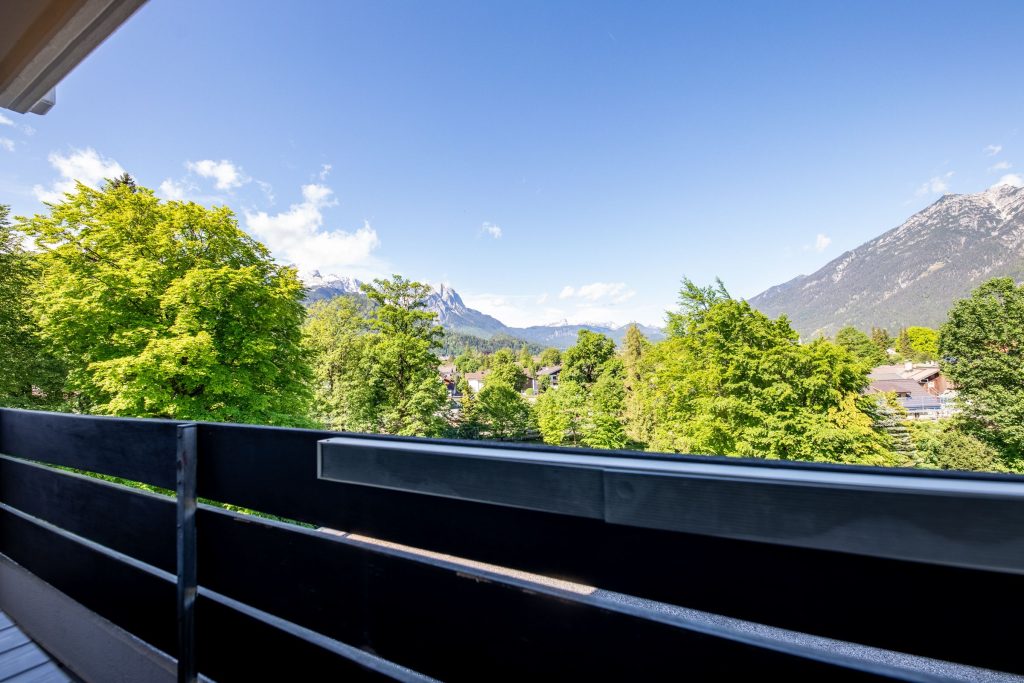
x: 453, y: 314
x: 912, y: 274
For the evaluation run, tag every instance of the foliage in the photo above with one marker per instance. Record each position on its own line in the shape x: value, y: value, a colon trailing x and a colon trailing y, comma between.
x: 582, y: 362
x: 505, y: 371
x: 561, y: 414
x: 336, y: 337
x: 982, y: 346
x: 861, y: 347
x: 607, y: 403
x: 636, y: 377
x: 550, y: 356
x: 499, y: 412
x: 29, y: 377
x: 881, y: 338
x: 947, y: 447
x: 454, y: 343
x: 403, y: 393
x: 469, y: 360
x: 923, y: 343
x: 903, y: 347
x: 732, y: 381
x: 167, y: 309
x: 526, y: 361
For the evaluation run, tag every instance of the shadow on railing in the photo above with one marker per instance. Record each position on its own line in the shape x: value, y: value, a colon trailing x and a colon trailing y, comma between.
x: 927, y: 563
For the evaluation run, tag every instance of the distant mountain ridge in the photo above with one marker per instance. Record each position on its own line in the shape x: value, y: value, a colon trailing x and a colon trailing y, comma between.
x: 454, y: 314
x: 912, y: 274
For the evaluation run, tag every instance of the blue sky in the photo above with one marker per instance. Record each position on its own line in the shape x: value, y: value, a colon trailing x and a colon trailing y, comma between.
x: 548, y: 160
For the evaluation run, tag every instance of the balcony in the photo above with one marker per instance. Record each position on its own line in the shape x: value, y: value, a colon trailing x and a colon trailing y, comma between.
x: 469, y: 562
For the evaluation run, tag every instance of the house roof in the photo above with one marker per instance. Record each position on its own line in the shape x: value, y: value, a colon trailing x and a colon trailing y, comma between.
x: 902, y: 386
x: 475, y: 375
x: 549, y: 370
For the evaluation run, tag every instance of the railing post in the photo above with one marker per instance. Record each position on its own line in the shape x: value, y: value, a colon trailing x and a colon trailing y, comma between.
x: 186, y: 550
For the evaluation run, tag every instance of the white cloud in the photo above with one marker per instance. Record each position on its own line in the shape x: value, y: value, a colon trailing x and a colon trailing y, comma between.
x: 173, y: 190
x: 1014, y: 179
x: 1001, y: 166
x: 524, y: 310
x: 267, y: 189
x: 821, y: 242
x: 492, y: 230
x: 297, y: 236
x: 83, y: 165
x: 224, y: 173
x: 325, y: 170
x: 7, y: 143
x: 595, y: 291
x: 4, y: 121
x: 543, y: 298
x: 935, y: 185
x: 566, y: 292
x: 992, y: 150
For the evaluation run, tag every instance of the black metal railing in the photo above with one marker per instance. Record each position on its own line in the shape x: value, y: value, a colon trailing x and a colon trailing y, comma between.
x: 926, y: 563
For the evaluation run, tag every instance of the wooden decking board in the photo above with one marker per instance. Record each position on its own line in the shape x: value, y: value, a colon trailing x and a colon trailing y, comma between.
x: 22, y: 661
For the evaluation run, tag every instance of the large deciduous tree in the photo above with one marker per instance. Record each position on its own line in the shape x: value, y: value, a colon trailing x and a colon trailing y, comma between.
x: 582, y: 362
x: 167, y: 309
x: 404, y: 393
x: 982, y: 346
x: 731, y: 381
x: 29, y: 376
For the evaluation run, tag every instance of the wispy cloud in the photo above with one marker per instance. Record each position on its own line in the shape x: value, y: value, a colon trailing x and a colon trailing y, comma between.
x: 992, y: 150
x: 297, y: 235
x: 225, y: 174
x: 83, y: 165
x: 821, y: 242
x: 325, y: 170
x: 1001, y: 166
x: 935, y: 185
x: 615, y: 292
x: 4, y: 121
x: 7, y: 143
x: 1014, y: 179
x: 492, y: 230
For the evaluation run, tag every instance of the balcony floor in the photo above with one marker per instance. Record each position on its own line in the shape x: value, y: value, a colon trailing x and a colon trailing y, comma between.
x: 22, y: 661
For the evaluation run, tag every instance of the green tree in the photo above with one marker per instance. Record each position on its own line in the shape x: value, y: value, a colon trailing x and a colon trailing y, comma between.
x: 562, y: 414
x: 167, y: 309
x: 606, y: 426
x: 29, y: 376
x: 732, y: 381
x: 405, y: 394
x: 923, y: 342
x: 550, y: 356
x: 582, y: 362
x: 505, y: 371
x: 501, y: 413
x: 982, y: 346
x: 336, y: 337
x: 526, y: 358
x: 881, y: 338
x: 946, y: 447
x: 636, y: 383
x: 903, y: 347
x: 469, y: 361
x: 861, y: 347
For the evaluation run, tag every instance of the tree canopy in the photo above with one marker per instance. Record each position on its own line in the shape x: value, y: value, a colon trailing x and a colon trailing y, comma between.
x: 861, y: 346
x: 167, y: 309
x: 982, y: 346
x: 732, y: 381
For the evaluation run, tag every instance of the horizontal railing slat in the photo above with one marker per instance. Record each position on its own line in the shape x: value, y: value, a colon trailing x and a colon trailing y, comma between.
x: 131, y: 521
x: 233, y: 644
x: 139, y: 450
